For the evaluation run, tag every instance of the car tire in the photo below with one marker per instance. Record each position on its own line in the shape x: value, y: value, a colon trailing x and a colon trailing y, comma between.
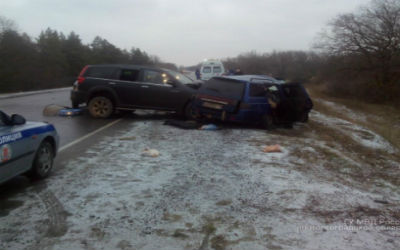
x: 43, y: 161
x: 304, y: 117
x: 188, y: 112
x: 101, y: 107
x: 75, y: 105
x: 268, y: 122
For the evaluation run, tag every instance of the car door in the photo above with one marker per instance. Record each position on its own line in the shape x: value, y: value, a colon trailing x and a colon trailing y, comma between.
x: 257, y: 99
x: 16, y: 151
x: 156, y: 93
x: 127, y: 86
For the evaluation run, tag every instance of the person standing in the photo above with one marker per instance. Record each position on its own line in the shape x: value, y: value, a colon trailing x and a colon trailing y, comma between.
x: 198, y: 76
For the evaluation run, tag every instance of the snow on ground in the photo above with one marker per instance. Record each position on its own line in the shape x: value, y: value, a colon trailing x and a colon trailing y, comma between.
x: 211, y: 190
x: 344, y: 110
x: 362, y: 135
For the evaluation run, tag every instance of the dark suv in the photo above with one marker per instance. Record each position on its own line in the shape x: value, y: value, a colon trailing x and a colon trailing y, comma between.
x: 106, y: 88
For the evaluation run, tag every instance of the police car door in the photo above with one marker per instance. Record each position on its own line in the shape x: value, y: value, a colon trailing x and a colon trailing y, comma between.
x: 16, y: 151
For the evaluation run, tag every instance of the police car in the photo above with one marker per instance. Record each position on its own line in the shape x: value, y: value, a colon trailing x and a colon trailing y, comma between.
x: 26, y: 147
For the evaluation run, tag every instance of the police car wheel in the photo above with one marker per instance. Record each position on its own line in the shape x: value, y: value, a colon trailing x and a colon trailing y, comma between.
x: 43, y: 162
x: 100, y: 107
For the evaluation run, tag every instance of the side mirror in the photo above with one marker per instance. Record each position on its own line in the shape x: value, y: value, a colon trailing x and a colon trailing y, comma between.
x: 17, y: 119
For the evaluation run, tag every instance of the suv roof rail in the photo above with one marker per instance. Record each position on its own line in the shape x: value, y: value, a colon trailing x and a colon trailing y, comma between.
x: 262, y: 79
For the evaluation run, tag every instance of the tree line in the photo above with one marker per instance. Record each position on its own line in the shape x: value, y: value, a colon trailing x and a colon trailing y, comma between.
x: 358, y: 56
x: 54, y: 60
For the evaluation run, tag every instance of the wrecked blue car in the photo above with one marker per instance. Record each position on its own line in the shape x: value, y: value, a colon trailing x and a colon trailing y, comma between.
x: 255, y: 99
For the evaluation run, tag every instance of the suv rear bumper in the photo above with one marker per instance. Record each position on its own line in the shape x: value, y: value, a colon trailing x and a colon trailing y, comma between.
x: 78, y: 97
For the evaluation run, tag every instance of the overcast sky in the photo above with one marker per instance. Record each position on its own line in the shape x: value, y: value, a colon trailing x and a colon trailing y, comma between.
x: 182, y: 31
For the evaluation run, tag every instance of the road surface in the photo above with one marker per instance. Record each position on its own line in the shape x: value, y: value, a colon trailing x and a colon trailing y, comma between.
x: 32, y: 106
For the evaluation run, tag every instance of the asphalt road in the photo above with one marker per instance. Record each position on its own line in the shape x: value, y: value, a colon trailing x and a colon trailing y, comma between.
x: 69, y: 128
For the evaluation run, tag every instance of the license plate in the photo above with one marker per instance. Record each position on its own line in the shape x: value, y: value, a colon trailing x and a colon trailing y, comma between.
x: 212, y: 105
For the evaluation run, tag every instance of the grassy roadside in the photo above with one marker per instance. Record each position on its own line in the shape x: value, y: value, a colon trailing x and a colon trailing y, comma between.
x: 382, y: 119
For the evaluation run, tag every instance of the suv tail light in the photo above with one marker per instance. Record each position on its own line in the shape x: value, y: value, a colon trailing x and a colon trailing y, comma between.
x: 81, y: 78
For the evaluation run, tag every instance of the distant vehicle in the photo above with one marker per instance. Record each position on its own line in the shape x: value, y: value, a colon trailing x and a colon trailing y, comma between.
x: 106, y: 88
x: 211, y: 68
x: 252, y: 99
x: 26, y: 147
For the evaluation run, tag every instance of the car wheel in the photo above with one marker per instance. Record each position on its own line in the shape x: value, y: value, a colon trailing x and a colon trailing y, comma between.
x: 268, y: 122
x: 43, y: 162
x: 100, y: 107
x: 304, y: 117
x: 189, y: 115
x: 75, y: 105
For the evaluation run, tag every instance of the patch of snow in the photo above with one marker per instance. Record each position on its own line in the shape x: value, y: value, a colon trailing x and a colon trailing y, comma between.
x: 360, y: 134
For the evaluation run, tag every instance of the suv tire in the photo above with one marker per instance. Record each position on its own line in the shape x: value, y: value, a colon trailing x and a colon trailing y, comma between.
x: 188, y: 112
x: 101, y: 107
x: 75, y: 105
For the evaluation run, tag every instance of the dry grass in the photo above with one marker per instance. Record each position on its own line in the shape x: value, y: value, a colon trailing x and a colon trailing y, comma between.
x: 373, y: 170
x: 382, y: 119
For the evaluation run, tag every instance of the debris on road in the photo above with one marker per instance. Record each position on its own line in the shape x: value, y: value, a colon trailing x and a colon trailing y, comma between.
x: 272, y: 149
x: 381, y: 202
x: 150, y: 152
x: 209, y: 127
x: 52, y: 110
x: 183, y: 124
x: 129, y: 138
x: 69, y: 112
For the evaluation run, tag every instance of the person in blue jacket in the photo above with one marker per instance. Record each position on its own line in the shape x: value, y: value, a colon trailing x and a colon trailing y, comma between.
x: 197, y: 74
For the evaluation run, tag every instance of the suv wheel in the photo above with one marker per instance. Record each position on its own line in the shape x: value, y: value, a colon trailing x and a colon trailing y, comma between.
x: 75, y: 105
x: 188, y: 112
x: 100, y: 107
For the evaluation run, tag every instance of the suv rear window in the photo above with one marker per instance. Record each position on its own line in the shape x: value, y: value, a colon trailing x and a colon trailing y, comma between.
x: 257, y: 90
x: 100, y: 72
x: 224, y: 87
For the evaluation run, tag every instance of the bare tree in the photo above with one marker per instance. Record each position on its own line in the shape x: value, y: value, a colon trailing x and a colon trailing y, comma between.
x: 371, y: 37
x: 6, y: 24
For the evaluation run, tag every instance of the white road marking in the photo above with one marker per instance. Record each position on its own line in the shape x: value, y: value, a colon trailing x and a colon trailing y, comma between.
x: 88, y: 135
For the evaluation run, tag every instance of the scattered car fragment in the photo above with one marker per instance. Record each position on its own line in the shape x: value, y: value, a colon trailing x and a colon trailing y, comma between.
x: 70, y: 112
x: 26, y: 147
x: 52, y: 110
x: 272, y: 149
x: 209, y: 127
x: 150, y: 152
